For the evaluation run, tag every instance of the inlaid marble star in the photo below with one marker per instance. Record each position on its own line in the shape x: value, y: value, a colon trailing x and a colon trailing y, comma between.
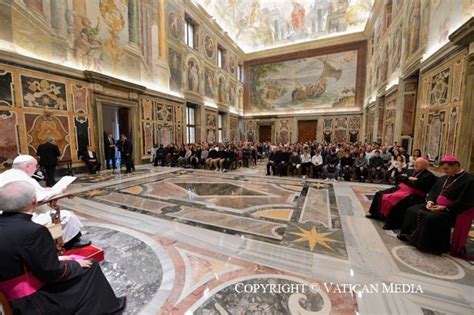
x: 313, y: 237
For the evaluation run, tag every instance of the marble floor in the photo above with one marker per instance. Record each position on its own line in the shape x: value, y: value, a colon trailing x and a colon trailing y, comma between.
x: 202, y: 242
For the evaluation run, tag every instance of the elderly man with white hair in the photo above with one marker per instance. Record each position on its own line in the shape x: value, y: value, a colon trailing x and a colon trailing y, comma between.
x: 24, y: 166
x: 32, y: 277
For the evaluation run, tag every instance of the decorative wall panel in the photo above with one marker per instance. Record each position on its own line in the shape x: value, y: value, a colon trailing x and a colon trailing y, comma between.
x: 81, y: 124
x: 43, y: 93
x: 39, y: 127
x: 80, y: 99
x: 440, y: 109
x: 9, y: 148
x: 6, y: 89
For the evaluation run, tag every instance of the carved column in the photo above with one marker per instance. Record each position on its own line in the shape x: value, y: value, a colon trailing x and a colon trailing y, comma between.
x: 464, y: 36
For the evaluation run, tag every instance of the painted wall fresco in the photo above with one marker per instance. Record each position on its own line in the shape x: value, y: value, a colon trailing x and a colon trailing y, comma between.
x: 195, y: 70
x: 94, y: 34
x: 176, y: 65
x: 325, y: 81
x: 261, y: 24
x: 417, y: 29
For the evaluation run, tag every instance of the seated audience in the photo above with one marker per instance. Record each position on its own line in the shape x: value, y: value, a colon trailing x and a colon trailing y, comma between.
x: 295, y: 163
x: 332, y: 165
x: 283, y: 161
x: 390, y: 204
x: 400, y: 168
x: 32, y: 276
x: 411, y: 160
x: 376, y: 165
x: 23, y: 168
x: 272, y: 161
x: 360, y: 167
x: 305, y: 162
x: 317, y: 161
x: 159, y: 156
x: 428, y: 225
x: 90, y: 158
x: 347, y: 163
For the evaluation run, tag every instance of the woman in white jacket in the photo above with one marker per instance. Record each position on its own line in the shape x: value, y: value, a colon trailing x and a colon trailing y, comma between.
x: 317, y: 162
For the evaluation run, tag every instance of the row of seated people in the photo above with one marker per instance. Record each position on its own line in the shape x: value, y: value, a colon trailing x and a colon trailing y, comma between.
x: 217, y: 157
x: 354, y: 163
x: 33, y: 278
x: 425, y: 208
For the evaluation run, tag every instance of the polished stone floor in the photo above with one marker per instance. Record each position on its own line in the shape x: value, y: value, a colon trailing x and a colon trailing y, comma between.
x: 183, y: 241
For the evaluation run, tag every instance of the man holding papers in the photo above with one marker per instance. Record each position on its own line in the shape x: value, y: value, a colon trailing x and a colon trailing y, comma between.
x: 24, y: 166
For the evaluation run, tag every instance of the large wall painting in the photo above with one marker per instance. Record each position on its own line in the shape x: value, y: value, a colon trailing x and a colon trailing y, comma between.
x: 324, y: 81
x: 93, y: 35
x: 260, y: 24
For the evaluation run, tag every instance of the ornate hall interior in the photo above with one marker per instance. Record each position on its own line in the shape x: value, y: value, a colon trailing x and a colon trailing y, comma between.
x: 186, y: 125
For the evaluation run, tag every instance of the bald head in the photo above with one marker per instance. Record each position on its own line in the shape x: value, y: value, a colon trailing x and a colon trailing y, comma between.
x: 25, y: 163
x: 421, y: 164
x: 19, y: 196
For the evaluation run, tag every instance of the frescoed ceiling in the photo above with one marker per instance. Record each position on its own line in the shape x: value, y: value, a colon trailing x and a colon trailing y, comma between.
x: 261, y: 24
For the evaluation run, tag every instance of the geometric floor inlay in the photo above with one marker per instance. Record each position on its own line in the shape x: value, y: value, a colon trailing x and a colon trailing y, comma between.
x: 298, y: 214
x: 432, y: 265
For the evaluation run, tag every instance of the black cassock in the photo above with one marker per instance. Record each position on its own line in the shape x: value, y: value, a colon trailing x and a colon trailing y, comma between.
x: 68, y: 288
x: 431, y: 231
x: 394, y: 220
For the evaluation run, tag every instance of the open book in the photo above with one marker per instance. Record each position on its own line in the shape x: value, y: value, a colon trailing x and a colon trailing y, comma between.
x: 57, y: 189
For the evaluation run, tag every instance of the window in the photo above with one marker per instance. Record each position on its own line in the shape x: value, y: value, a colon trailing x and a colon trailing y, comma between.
x: 220, y: 57
x: 190, y: 125
x: 240, y: 73
x: 220, y: 117
x: 189, y: 33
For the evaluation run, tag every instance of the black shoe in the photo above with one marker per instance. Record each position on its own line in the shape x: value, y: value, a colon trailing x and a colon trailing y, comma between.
x: 80, y: 243
x: 402, y: 237
x: 388, y: 227
x: 122, y: 301
x: 371, y: 216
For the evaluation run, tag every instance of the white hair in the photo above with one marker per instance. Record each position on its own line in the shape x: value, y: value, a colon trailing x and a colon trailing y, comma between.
x: 16, y: 196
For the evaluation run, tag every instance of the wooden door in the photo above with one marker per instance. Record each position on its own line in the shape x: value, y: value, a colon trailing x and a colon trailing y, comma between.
x: 307, y: 130
x: 265, y: 133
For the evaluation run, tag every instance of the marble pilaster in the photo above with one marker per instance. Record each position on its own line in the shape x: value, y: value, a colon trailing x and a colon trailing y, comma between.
x: 464, y: 36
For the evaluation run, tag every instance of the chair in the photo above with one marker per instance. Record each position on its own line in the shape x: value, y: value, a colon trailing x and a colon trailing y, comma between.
x: 55, y: 227
x: 460, y: 234
x: 5, y: 308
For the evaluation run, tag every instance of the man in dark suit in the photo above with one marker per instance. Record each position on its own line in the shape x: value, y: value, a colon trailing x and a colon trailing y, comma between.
x: 109, y: 148
x: 48, y: 153
x: 90, y: 158
x: 126, y: 152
